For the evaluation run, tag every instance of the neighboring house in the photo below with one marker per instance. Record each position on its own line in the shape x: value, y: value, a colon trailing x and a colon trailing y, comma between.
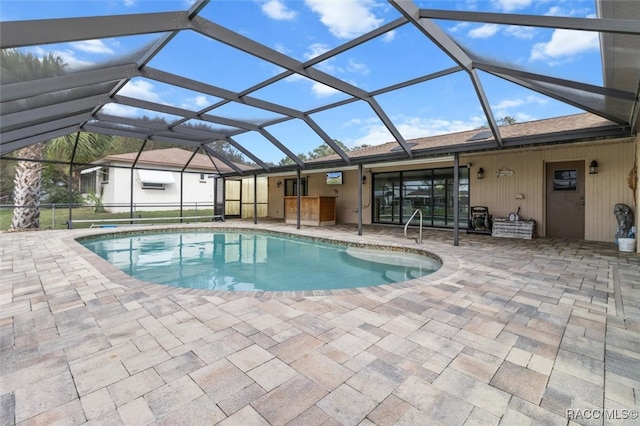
x: 550, y: 183
x: 158, y: 180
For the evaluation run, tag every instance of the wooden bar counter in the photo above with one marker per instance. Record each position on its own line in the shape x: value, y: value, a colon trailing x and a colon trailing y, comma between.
x: 314, y: 210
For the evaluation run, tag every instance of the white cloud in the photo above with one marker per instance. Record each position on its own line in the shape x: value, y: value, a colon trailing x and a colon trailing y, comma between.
x: 359, y: 68
x: 525, y: 33
x: 275, y: 9
x: 512, y: 103
x: 484, y: 31
x: 93, y: 46
x: 196, y: 103
x: 346, y: 19
x: 141, y: 89
x: 389, y: 36
x: 555, y: 11
x: 511, y: 5
x: 411, y: 128
x: 316, y: 49
x: 458, y: 27
x: 322, y: 90
x: 120, y: 110
x: 564, y: 46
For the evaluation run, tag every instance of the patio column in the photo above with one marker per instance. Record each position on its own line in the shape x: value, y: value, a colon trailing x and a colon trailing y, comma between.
x: 456, y: 199
x: 255, y: 199
x: 73, y: 158
x: 298, y: 182
x: 181, y: 193
x: 360, y: 176
x: 224, y: 196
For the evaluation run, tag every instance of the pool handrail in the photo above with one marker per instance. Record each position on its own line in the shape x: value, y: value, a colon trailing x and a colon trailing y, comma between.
x: 419, y: 239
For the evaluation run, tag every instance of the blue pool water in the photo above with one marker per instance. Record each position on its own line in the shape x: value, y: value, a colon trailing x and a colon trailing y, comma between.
x: 246, y: 261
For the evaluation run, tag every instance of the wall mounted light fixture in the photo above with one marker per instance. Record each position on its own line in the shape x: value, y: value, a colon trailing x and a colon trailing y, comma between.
x: 593, y: 167
x: 278, y: 183
x: 480, y: 173
x: 364, y: 179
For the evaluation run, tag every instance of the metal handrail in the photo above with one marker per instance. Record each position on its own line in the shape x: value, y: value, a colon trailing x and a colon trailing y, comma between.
x: 418, y: 240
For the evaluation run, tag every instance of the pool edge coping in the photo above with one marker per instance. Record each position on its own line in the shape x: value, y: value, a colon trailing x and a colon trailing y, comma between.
x: 449, y: 263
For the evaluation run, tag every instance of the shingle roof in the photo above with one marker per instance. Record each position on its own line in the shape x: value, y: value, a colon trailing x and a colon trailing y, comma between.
x: 170, y: 157
x: 548, y: 128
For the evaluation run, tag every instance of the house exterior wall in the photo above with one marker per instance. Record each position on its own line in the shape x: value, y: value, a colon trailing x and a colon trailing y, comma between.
x: 116, y: 194
x: 603, y: 190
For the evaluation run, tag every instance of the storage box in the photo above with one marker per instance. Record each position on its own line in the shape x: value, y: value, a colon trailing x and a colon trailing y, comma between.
x: 525, y: 229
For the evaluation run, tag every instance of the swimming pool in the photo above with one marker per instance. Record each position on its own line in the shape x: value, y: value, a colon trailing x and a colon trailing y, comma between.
x: 250, y: 261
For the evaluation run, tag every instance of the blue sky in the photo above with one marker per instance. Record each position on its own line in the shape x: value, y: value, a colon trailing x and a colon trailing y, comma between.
x: 304, y: 29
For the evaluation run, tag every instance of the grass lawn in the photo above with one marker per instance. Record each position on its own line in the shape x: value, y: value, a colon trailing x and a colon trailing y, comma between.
x: 57, y: 218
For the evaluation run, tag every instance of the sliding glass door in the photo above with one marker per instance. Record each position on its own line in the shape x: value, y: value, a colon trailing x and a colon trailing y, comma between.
x: 398, y: 195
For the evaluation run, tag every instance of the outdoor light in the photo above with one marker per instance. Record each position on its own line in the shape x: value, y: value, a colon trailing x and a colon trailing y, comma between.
x: 593, y: 168
x: 480, y: 173
x: 278, y: 183
x: 364, y: 179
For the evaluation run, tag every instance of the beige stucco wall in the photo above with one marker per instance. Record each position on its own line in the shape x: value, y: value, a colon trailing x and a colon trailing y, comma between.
x: 603, y: 190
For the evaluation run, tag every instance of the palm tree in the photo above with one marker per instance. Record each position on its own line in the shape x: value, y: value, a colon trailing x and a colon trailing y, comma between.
x: 19, y: 66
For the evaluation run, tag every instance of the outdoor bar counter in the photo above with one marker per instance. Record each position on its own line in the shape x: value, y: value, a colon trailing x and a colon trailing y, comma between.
x: 314, y: 210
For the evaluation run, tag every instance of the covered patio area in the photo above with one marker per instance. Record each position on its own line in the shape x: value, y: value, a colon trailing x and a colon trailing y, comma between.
x: 507, y: 332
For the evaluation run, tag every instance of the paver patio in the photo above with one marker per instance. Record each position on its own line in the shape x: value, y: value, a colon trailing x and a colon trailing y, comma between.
x: 507, y: 332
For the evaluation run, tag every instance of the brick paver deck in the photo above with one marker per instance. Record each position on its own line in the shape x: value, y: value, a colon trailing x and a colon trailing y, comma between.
x: 508, y: 332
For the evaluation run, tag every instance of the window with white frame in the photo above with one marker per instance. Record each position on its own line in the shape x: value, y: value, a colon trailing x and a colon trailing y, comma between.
x: 155, y: 179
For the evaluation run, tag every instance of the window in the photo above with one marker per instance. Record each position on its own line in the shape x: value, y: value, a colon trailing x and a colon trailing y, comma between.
x: 150, y: 185
x: 203, y: 178
x: 565, y: 180
x: 291, y: 186
x: 88, y: 182
x: 155, y: 179
x: 104, y: 174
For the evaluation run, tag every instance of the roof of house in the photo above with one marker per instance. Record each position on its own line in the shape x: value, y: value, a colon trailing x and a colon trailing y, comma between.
x: 575, y: 127
x: 171, y: 157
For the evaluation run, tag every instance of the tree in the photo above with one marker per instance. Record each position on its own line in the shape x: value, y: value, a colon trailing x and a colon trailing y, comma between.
x: 19, y: 66
x: 320, y: 151
x: 507, y: 120
x: 56, y: 176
